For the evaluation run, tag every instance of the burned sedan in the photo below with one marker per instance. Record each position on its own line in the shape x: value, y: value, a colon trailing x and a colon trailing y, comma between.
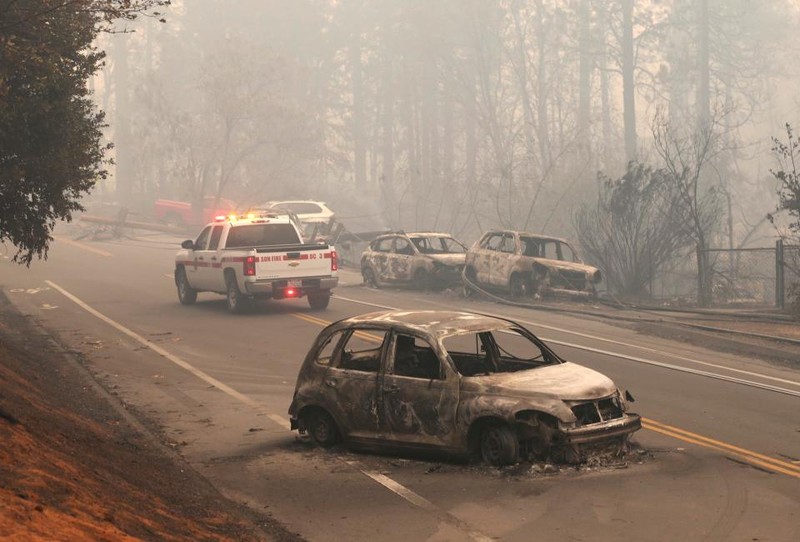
x: 460, y: 383
x: 421, y: 259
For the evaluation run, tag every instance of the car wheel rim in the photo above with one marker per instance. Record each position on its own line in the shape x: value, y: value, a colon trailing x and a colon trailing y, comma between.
x: 321, y: 431
x: 492, y: 448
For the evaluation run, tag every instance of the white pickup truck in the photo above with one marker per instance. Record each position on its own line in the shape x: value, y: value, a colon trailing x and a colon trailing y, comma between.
x: 258, y: 256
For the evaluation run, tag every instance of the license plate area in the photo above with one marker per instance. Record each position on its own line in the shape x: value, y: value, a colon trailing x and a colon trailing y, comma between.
x: 294, y: 283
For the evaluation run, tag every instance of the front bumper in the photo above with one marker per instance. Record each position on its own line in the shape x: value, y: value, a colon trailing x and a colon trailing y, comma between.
x: 598, y: 432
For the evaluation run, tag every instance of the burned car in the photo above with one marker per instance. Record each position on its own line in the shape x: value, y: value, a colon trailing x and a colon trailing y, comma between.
x: 456, y: 382
x: 528, y: 265
x: 422, y: 259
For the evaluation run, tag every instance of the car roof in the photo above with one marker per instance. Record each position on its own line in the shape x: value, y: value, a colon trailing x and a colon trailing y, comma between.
x: 413, y: 234
x: 529, y: 234
x: 439, y: 323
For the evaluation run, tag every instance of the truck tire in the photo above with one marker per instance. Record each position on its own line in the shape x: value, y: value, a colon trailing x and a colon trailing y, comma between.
x: 186, y: 294
x: 236, y: 301
x: 319, y: 300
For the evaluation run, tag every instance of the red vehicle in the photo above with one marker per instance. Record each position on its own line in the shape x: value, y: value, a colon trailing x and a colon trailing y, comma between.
x: 183, y: 212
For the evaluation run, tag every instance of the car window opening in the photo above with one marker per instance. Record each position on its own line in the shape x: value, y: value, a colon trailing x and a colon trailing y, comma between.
x: 498, y: 351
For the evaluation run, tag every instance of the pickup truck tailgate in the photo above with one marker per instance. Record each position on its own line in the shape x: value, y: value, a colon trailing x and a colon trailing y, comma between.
x: 294, y: 262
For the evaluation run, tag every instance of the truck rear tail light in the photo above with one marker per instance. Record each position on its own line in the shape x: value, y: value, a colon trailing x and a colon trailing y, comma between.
x: 290, y: 292
x: 334, y: 261
x: 250, y: 266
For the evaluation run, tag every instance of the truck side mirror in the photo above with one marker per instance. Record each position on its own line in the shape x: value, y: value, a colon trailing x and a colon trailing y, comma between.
x: 188, y: 244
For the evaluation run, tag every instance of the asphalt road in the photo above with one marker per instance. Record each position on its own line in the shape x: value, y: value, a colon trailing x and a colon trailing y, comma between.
x: 722, y: 432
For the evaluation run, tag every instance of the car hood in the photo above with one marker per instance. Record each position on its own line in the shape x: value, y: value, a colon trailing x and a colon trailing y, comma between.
x: 448, y: 259
x: 565, y: 381
x: 562, y: 265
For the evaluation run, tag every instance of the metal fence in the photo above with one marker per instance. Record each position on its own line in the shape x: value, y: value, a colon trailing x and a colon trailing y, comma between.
x: 753, y: 277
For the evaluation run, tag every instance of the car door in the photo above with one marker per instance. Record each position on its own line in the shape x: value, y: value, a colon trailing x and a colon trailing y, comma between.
x: 211, y: 273
x: 401, y: 260
x: 349, y: 389
x: 380, y: 257
x: 503, y: 261
x: 193, y: 270
x: 486, y: 251
x: 418, y: 395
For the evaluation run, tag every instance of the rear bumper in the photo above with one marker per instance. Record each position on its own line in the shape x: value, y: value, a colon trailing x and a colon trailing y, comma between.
x: 599, y: 432
x: 272, y: 286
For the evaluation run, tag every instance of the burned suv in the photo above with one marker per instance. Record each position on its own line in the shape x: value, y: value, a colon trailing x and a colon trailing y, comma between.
x: 422, y: 259
x: 525, y: 264
x: 457, y: 382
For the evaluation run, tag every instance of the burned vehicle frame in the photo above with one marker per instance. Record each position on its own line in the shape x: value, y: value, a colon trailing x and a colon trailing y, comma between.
x: 419, y: 259
x: 525, y: 264
x: 464, y: 384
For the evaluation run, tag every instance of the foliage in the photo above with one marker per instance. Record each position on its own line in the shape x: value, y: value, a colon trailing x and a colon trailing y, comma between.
x: 50, y: 131
x: 788, y: 154
x: 633, y: 229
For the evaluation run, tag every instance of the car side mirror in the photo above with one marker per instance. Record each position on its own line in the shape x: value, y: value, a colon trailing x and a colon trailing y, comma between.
x: 188, y: 244
x: 629, y: 397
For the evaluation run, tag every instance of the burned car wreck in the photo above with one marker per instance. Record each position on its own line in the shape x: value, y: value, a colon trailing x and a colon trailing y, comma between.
x: 528, y: 265
x: 421, y: 259
x: 464, y: 384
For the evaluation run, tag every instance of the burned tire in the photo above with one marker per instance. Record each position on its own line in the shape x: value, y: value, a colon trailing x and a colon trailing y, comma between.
x: 369, y: 277
x: 519, y: 286
x: 186, y: 294
x: 234, y: 298
x: 499, y: 445
x: 322, y: 428
x: 319, y: 300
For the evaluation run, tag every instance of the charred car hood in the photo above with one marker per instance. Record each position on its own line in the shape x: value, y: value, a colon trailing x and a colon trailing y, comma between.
x: 562, y: 265
x: 448, y: 259
x: 565, y: 381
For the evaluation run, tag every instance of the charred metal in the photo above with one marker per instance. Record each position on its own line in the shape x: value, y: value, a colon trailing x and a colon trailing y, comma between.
x: 456, y: 382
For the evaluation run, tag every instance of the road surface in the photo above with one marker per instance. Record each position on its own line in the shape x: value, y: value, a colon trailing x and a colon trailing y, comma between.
x: 722, y: 432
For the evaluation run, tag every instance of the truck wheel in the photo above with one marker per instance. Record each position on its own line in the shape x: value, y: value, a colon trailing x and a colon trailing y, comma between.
x: 236, y: 301
x: 186, y: 294
x: 499, y: 445
x: 319, y: 300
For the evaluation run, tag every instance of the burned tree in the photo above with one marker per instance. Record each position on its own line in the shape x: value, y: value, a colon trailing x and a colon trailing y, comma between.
x: 632, y: 230
x: 788, y: 155
x: 685, y: 156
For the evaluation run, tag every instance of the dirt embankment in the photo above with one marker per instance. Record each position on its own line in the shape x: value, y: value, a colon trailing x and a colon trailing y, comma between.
x: 72, y: 468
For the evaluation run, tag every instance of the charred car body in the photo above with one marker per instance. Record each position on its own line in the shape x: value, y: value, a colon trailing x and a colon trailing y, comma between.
x: 462, y: 383
x: 525, y: 264
x: 422, y: 259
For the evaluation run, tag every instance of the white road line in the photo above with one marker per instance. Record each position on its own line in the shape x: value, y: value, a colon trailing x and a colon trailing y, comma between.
x: 383, y: 480
x: 420, y: 501
x: 638, y: 359
x: 83, y: 246
x: 155, y: 348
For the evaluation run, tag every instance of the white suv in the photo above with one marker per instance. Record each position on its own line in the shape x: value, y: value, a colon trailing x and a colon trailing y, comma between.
x: 305, y: 210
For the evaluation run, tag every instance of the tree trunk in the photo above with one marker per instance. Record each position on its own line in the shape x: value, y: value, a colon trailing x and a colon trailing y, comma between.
x: 628, y: 98
x: 703, y: 79
x: 359, y: 146
x: 124, y: 172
